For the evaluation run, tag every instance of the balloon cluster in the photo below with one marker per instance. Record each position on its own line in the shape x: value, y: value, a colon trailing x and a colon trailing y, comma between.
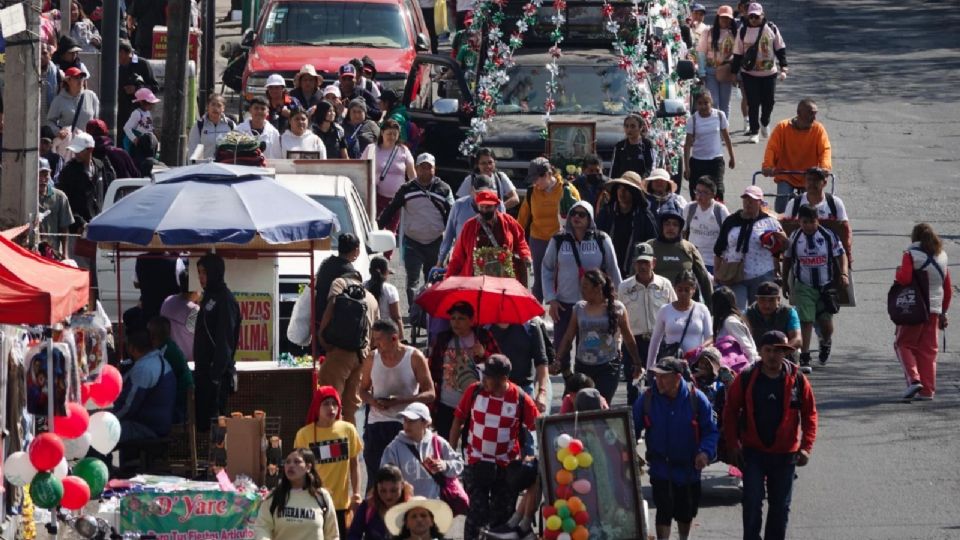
x: 567, y: 518
x: 44, y: 466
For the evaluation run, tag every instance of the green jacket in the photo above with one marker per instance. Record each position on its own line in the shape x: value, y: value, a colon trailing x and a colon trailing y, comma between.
x: 178, y: 363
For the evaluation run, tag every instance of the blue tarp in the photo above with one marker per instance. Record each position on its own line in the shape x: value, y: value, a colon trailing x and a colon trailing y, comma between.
x: 209, y: 206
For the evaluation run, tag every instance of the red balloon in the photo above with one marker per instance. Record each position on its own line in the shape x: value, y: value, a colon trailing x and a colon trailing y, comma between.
x: 76, y: 493
x: 46, y: 451
x: 107, y: 388
x: 581, y: 517
x: 548, y: 511
x: 575, y: 447
x: 551, y: 535
x: 74, y: 424
x: 564, y: 492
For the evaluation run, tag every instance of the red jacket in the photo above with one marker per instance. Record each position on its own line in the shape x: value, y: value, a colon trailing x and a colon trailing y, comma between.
x: 461, y: 258
x: 798, y: 427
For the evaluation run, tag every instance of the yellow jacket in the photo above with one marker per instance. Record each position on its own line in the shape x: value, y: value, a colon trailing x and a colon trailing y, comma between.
x: 540, y: 212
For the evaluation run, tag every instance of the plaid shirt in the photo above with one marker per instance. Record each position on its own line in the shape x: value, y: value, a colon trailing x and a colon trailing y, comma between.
x: 494, y: 422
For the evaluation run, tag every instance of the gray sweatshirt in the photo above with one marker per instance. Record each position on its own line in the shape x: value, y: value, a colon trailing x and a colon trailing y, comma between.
x: 559, y: 272
x: 398, y: 453
x: 63, y: 107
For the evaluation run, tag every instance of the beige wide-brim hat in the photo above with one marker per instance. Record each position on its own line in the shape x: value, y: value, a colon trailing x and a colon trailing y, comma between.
x: 309, y: 70
x: 442, y: 515
x: 629, y: 179
x: 659, y: 174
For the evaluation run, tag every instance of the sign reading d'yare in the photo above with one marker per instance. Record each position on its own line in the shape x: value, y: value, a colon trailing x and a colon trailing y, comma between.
x: 190, y: 515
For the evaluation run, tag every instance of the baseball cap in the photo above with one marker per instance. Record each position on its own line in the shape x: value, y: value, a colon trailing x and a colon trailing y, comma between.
x: 497, y: 365
x: 486, y: 197
x: 347, y: 70
x: 74, y: 72
x: 426, y: 158
x: 97, y: 127
x: 81, y: 141
x: 44, y: 165
x: 725, y: 11
x: 775, y: 338
x: 331, y: 89
x: 697, y: 7
x: 755, y: 9
x: 416, y: 411
x: 145, y: 94
x: 588, y: 399
x: 753, y: 192
x: 644, y: 252
x: 668, y: 364
x: 537, y: 168
x: 768, y: 288
x: 275, y: 79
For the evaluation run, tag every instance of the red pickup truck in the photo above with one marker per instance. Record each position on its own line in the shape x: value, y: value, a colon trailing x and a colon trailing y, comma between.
x: 328, y: 34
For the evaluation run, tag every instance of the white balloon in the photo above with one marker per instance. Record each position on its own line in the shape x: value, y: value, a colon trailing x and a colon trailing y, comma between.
x: 563, y: 441
x: 564, y: 536
x: 61, y: 470
x: 104, y: 432
x: 18, y: 470
x: 77, y: 448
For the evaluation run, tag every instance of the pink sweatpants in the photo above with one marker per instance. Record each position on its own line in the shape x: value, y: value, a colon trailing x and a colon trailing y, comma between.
x: 916, y: 348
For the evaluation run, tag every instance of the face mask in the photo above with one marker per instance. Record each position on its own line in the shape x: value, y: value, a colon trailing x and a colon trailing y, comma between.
x: 488, y: 215
x: 594, y: 177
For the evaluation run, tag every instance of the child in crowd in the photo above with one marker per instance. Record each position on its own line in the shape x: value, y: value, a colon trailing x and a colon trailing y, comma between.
x: 572, y: 385
x: 140, y: 121
x: 337, y: 447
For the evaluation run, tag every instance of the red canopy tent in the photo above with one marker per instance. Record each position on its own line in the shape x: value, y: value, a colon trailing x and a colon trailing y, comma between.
x: 36, y: 290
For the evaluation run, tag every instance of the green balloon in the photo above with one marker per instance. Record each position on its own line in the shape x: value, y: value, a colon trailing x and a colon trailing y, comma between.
x: 569, y: 524
x: 94, y: 472
x: 563, y: 512
x: 46, y: 490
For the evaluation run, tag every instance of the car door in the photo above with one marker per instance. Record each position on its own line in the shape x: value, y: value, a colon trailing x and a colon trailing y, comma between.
x: 439, y: 101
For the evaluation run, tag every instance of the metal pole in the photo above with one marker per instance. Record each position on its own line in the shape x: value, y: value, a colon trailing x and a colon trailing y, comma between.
x: 108, y: 65
x: 116, y: 271
x: 50, y: 385
x: 175, y: 82
x: 65, y: 17
x: 209, y: 46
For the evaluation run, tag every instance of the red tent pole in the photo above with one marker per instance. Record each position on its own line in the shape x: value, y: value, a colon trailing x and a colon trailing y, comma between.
x: 313, y: 317
x: 116, y: 270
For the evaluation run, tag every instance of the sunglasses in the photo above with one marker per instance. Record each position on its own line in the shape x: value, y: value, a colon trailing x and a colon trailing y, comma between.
x: 579, y: 214
x: 753, y: 16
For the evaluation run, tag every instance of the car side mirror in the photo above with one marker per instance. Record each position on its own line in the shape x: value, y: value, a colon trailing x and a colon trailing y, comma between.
x: 446, y: 107
x: 670, y: 108
x: 248, y: 38
x: 686, y: 70
x: 381, y: 241
x: 422, y: 44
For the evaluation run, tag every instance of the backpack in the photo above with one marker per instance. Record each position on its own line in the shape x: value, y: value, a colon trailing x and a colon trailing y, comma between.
x: 694, y: 406
x: 750, y: 55
x: 692, y: 209
x: 796, y: 396
x: 598, y: 236
x: 350, y: 327
x: 831, y: 203
x: 910, y: 304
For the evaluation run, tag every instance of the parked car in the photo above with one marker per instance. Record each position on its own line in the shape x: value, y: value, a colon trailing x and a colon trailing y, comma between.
x: 328, y: 34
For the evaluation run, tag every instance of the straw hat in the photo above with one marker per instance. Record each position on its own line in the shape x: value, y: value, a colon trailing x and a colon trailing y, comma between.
x: 307, y: 69
x: 629, y: 179
x: 442, y: 515
x: 659, y: 174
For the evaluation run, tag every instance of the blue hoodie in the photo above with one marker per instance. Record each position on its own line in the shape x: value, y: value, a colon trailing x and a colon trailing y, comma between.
x: 149, y: 394
x: 559, y: 272
x: 671, y: 443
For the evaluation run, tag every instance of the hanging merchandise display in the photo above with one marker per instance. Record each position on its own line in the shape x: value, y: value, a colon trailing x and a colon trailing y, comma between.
x: 553, y: 68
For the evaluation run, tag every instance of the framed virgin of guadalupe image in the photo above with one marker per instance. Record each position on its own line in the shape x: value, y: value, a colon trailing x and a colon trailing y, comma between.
x: 590, y: 475
x: 571, y: 141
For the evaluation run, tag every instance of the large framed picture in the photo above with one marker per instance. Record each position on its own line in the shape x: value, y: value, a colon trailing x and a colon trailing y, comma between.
x: 571, y: 141
x: 588, y: 464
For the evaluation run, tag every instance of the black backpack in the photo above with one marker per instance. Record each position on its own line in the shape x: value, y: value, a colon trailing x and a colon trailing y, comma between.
x: 831, y: 204
x: 349, y: 328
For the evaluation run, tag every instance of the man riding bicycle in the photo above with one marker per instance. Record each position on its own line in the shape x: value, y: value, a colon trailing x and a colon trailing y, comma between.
x: 796, y: 145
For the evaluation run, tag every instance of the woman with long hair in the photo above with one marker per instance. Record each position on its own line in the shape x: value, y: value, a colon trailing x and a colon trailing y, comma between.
x: 388, y: 490
x: 599, y: 323
x: 729, y: 321
x: 635, y: 152
x: 394, y: 167
x: 82, y: 29
x: 715, y: 50
x: 386, y: 293
x: 683, y: 325
x: 299, y: 507
x: 330, y: 132
x: 419, y: 519
x: 916, y: 344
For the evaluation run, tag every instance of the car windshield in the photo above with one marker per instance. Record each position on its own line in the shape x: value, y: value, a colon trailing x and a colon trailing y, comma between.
x: 339, y: 24
x: 583, y: 89
x: 337, y: 205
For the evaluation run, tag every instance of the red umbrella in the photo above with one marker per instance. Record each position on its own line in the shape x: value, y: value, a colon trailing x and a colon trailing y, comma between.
x: 494, y: 299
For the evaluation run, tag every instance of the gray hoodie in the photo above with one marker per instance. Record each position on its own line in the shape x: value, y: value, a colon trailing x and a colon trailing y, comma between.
x: 398, y: 453
x: 559, y: 272
x: 64, y: 107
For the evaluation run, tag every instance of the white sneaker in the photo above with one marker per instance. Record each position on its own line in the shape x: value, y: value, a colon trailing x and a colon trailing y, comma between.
x: 746, y: 125
x: 912, y: 391
x: 764, y: 132
x: 754, y: 139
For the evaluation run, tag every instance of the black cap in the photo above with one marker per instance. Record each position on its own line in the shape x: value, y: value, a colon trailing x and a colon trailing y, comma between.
x: 588, y: 399
x: 463, y: 308
x: 768, y: 288
x: 669, y: 364
x: 775, y: 338
x: 482, y: 181
x: 497, y: 365
x: 389, y: 96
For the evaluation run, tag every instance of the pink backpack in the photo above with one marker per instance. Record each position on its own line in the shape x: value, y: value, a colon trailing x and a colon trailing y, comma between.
x: 731, y: 355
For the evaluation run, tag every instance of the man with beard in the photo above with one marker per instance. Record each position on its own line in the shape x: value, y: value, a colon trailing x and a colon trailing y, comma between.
x: 491, y: 228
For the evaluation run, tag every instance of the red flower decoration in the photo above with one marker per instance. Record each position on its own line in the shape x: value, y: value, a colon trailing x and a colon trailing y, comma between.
x: 529, y: 10
x: 607, y: 10
x: 556, y: 52
x: 549, y: 105
x: 480, y: 262
x: 502, y: 257
x: 560, y: 5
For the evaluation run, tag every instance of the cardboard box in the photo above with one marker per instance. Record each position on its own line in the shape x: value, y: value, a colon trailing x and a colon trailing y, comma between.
x: 160, y: 44
x: 246, y: 448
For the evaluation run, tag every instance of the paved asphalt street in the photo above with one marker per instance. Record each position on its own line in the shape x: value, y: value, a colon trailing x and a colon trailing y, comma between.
x: 886, y: 76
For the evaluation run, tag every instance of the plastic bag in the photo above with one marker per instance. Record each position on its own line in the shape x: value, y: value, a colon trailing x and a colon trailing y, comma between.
x: 440, y: 17
x: 298, y: 331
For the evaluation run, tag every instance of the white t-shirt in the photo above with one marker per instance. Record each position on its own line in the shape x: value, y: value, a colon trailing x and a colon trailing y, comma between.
x: 759, y: 260
x: 389, y: 295
x: 669, y: 328
x: 707, y: 143
x: 703, y: 227
x: 810, y: 265
x: 504, y: 186
x: 269, y: 135
x: 823, y: 209
x: 308, y: 142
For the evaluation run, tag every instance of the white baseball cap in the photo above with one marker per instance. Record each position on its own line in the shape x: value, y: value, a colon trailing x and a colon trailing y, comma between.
x: 275, y: 80
x: 331, y: 89
x: 81, y: 141
x: 426, y: 158
x: 416, y: 411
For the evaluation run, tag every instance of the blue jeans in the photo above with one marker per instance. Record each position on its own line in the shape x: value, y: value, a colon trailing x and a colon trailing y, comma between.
x: 643, y: 344
x: 537, y: 249
x: 746, y: 290
x: 418, y: 259
x: 720, y: 91
x: 775, y: 472
x: 784, y: 194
